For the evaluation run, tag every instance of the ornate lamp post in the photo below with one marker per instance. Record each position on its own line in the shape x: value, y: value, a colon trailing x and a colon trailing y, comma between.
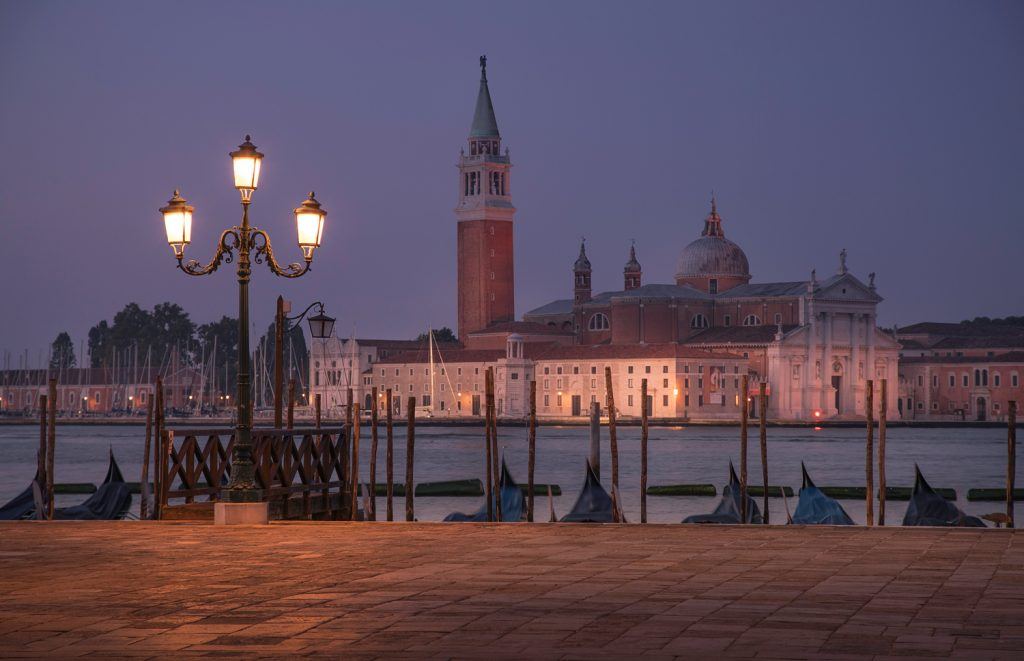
x: 245, y: 240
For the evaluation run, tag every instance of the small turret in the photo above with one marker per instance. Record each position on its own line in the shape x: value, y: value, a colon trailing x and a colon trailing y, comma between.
x: 632, y: 272
x: 581, y: 276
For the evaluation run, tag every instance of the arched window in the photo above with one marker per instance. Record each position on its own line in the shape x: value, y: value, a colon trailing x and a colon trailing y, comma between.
x: 699, y: 321
x: 751, y: 320
x: 599, y: 322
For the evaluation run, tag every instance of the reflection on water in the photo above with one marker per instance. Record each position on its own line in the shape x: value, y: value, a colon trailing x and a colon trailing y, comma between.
x: 957, y: 458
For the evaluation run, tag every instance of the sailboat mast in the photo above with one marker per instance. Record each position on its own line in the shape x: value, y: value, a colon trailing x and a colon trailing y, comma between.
x: 430, y: 348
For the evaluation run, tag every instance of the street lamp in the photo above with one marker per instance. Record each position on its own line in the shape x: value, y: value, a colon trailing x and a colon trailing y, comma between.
x: 245, y: 239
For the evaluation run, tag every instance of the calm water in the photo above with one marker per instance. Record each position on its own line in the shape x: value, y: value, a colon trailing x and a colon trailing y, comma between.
x: 957, y: 458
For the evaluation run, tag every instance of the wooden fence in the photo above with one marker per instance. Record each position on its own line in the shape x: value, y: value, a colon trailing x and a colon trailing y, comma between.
x: 302, y: 472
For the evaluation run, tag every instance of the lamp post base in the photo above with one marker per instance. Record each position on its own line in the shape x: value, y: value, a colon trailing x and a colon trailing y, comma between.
x: 240, y: 514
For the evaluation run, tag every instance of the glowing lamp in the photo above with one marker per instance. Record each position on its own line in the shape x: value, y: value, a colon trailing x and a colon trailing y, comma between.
x: 309, y: 223
x: 178, y: 223
x: 321, y: 326
x: 246, y: 162
x: 675, y: 392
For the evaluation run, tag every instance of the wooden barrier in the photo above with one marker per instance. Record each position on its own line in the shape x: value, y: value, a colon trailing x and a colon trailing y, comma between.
x: 289, y: 464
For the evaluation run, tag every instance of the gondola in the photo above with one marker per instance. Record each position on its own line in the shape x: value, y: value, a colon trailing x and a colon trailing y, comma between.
x: 22, y: 506
x: 511, y: 501
x: 110, y: 501
x: 928, y: 508
x: 593, y: 505
x: 815, y: 508
x: 728, y: 510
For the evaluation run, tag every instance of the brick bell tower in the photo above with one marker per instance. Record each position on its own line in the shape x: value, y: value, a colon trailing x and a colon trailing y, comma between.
x: 484, y: 214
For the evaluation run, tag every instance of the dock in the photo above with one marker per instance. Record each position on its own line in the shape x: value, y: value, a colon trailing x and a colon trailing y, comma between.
x: 513, y: 590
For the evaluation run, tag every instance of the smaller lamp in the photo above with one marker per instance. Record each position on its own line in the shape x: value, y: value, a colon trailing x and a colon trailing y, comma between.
x: 246, y: 163
x: 309, y: 223
x: 320, y: 325
x: 178, y: 223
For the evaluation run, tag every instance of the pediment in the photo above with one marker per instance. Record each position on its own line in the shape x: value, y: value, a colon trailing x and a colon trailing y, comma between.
x: 846, y: 287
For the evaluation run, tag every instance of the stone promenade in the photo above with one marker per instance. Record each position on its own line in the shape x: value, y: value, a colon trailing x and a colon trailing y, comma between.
x: 508, y: 591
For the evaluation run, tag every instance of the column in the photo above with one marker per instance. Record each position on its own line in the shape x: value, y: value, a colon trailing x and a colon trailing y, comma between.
x: 854, y: 380
x: 826, y: 365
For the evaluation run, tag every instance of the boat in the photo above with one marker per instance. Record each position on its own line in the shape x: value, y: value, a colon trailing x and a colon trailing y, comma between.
x: 928, y: 508
x: 729, y: 509
x: 815, y: 508
x: 111, y: 500
x: 593, y: 505
x: 511, y: 501
x: 22, y: 506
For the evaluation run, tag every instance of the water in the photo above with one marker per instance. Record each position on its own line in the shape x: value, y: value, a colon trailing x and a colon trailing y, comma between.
x: 957, y: 458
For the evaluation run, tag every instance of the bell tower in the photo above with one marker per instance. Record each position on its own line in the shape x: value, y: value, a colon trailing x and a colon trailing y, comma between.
x: 484, y: 214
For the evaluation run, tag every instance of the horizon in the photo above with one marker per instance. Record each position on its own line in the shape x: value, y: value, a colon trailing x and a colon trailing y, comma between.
x: 900, y: 125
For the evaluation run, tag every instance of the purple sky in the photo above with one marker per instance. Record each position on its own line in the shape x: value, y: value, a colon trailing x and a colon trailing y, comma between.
x: 895, y: 130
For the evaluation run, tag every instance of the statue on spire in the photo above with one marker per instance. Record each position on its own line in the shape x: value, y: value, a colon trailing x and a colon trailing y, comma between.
x: 483, y: 67
x: 842, y: 261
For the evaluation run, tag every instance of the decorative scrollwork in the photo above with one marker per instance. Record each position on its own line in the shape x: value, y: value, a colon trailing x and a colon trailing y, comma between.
x: 264, y: 250
x: 228, y: 243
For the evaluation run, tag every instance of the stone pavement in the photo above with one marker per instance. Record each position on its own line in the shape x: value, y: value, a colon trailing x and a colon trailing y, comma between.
x: 358, y: 590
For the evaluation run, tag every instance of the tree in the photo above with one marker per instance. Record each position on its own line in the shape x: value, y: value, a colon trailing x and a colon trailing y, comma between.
x: 295, y: 355
x: 223, y: 334
x: 62, y: 354
x: 444, y: 334
x: 101, y: 344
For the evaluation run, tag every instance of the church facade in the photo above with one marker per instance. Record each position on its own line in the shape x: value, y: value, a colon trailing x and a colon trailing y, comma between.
x: 814, y: 342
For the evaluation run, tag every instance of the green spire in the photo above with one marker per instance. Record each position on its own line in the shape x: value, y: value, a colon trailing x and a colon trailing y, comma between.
x: 484, y: 123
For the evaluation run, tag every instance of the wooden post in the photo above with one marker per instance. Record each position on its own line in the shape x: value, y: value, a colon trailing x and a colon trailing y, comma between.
x: 613, y: 442
x: 165, y: 455
x: 41, y: 453
x: 410, y: 442
x: 158, y: 447
x: 51, y: 444
x: 316, y: 414
x: 744, y: 414
x: 595, y: 438
x: 1011, y: 459
x: 762, y: 408
x: 144, y: 481
x: 278, y: 361
x: 291, y: 403
x: 373, y: 455
x: 489, y: 481
x: 356, y: 424
x: 348, y: 407
x: 883, y: 410
x: 390, y: 460
x: 532, y: 461
x: 869, y: 494
x: 643, y: 451
x: 495, y: 458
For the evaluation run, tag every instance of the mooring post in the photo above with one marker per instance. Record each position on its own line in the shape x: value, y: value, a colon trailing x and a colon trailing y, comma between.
x: 348, y: 406
x: 643, y: 451
x: 883, y: 410
x: 278, y: 361
x: 390, y: 458
x: 410, y: 442
x: 373, y: 454
x: 595, y: 438
x: 1011, y: 458
x: 316, y: 412
x: 762, y: 409
x: 744, y: 415
x: 488, y: 481
x: 144, y: 481
x: 532, y: 460
x: 41, y: 453
x: 291, y: 403
x: 495, y: 458
x: 158, y: 446
x: 51, y: 445
x: 613, y: 442
x: 869, y: 494
x: 356, y: 424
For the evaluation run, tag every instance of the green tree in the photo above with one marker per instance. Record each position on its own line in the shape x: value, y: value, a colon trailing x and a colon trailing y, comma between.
x: 101, y: 344
x: 62, y: 353
x: 444, y: 334
x: 224, y: 335
x: 296, y: 357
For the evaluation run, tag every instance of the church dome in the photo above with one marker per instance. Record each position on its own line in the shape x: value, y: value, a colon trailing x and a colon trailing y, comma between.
x: 713, y: 254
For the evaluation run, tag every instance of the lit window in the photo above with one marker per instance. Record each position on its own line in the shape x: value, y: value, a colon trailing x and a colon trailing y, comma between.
x: 751, y: 320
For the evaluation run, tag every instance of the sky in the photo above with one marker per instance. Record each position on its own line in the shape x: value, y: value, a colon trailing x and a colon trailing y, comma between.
x: 893, y: 130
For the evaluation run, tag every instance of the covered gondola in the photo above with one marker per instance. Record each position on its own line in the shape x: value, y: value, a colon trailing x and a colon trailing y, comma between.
x: 511, y: 501
x: 928, y: 508
x: 593, y: 505
x: 110, y: 501
x: 729, y: 507
x: 815, y: 508
x: 22, y: 506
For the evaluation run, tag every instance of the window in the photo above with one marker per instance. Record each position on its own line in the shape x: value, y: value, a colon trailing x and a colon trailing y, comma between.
x: 700, y: 400
x: 598, y: 322
x: 629, y: 384
x: 647, y: 369
x: 977, y: 378
x: 686, y: 400
x: 629, y: 400
x: 664, y: 383
x: 920, y: 380
x: 935, y: 380
x: 952, y: 380
x: 559, y: 401
x: 425, y: 400
x: 751, y: 320
x: 558, y: 383
x: 664, y: 369
x: 558, y: 370
x: 727, y: 320
x: 593, y: 369
x: 442, y: 388
x: 778, y: 318
x: 1014, y: 381
x: 699, y: 321
x: 664, y: 400
x: 576, y: 369
x: 713, y: 286
x: 593, y: 383
x: 966, y: 382
x: 547, y: 370
x: 629, y: 370
x: 547, y: 384
x: 984, y: 377
x: 935, y: 406
x: 686, y: 383
x: 459, y: 371
x: 995, y: 379
x: 514, y: 375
